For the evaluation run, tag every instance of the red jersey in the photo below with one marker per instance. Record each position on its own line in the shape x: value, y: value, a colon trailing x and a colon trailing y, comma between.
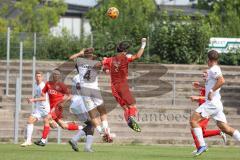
x: 118, y: 67
x: 202, y: 93
x: 56, y: 92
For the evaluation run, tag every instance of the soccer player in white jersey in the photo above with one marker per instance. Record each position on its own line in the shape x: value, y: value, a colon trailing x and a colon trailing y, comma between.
x: 41, y: 110
x: 78, y: 108
x: 213, y: 106
x: 91, y: 92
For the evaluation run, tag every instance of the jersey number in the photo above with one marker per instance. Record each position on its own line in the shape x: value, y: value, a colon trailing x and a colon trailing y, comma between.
x: 87, y: 75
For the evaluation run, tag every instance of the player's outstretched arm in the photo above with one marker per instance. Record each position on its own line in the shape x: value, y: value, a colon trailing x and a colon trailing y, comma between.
x: 74, y: 56
x: 42, y: 98
x: 141, y: 50
x: 196, y: 98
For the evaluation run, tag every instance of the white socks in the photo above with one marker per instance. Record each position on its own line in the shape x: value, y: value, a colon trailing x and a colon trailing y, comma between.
x: 78, y: 135
x: 29, y: 132
x: 199, y: 135
x: 99, y: 129
x: 236, y: 135
x: 104, y: 124
x: 89, y: 141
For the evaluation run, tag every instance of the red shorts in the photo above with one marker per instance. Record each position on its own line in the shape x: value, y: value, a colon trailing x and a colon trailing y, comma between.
x: 122, y: 94
x: 56, y: 113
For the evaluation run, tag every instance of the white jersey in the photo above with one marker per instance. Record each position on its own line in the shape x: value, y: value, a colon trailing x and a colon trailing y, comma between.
x: 77, y: 105
x: 37, y: 94
x: 213, y: 73
x: 88, y: 76
x: 75, y: 80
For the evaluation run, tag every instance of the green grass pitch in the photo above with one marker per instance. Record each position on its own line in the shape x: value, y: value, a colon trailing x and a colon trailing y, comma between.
x: 114, y: 152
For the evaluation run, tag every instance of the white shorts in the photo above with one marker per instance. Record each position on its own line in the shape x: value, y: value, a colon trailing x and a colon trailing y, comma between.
x: 40, y: 112
x: 92, y: 98
x: 78, y: 108
x: 213, y: 109
x: 77, y: 105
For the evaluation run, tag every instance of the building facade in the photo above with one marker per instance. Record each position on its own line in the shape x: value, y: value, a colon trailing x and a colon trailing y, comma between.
x: 73, y: 20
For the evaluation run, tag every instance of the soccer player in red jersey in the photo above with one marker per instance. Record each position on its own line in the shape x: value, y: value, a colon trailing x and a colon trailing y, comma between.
x: 204, y: 123
x: 59, y: 94
x: 118, y: 68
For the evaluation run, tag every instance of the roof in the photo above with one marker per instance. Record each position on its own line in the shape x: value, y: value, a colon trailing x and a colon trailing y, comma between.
x: 188, y: 10
x: 85, y: 3
x: 79, y: 7
x: 176, y: 2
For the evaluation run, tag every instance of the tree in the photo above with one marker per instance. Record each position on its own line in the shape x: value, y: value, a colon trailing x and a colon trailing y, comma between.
x: 32, y: 15
x: 132, y: 23
x: 223, y: 17
x: 179, y: 38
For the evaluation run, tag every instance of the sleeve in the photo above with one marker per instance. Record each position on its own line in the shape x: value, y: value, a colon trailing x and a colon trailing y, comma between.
x: 202, y: 92
x: 216, y: 72
x: 106, y: 62
x: 45, y: 88
x: 129, y: 58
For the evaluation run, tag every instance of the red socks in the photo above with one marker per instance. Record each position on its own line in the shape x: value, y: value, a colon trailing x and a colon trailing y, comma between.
x: 210, y: 133
x: 130, y: 112
x: 126, y: 115
x: 45, y: 132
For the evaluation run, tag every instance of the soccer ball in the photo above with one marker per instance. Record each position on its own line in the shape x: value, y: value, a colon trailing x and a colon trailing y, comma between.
x: 112, y: 12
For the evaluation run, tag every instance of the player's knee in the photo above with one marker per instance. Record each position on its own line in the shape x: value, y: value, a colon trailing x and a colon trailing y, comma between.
x: 31, y: 120
x: 46, y: 121
x: 52, y: 124
x: 102, y: 110
x: 192, y: 122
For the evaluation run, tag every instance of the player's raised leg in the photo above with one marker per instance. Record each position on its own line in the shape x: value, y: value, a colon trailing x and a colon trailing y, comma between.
x: 229, y: 130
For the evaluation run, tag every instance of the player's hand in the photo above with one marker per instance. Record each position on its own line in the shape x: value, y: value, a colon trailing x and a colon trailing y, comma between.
x: 30, y: 100
x: 210, y: 95
x: 196, y: 85
x: 144, y: 42
x: 106, y: 70
x: 194, y: 98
